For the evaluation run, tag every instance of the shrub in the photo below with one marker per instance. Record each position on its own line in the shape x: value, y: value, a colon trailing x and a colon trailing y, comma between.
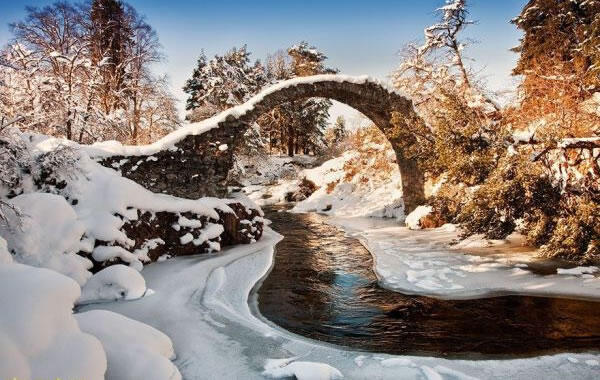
x: 516, y: 190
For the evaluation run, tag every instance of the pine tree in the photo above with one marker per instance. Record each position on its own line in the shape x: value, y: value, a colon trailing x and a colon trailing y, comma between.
x: 305, y: 130
x: 339, y: 129
x: 223, y: 82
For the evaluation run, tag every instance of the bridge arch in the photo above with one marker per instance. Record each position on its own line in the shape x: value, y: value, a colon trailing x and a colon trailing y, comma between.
x: 370, y: 97
x: 196, y: 160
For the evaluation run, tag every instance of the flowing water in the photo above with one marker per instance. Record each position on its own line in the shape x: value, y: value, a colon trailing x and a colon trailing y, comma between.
x: 322, y: 286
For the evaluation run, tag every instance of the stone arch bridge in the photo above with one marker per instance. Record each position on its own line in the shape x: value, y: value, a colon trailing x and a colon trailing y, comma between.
x: 196, y: 160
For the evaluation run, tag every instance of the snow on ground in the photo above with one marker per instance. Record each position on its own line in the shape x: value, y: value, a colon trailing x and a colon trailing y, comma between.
x: 271, y: 179
x: 350, y: 186
x: 201, y: 302
x: 421, y: 262
x: 285, y: 368
x: 5, y: 256
x: 39, y: 338
x: 268, y: 169
x: 134, y: 350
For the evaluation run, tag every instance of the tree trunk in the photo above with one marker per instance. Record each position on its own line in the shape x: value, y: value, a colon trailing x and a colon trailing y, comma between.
x: 69, y: 126
x: 136, y: 118
x: 290, y: 144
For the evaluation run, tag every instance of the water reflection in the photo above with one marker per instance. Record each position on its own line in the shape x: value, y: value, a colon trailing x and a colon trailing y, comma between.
x: 322, y: 286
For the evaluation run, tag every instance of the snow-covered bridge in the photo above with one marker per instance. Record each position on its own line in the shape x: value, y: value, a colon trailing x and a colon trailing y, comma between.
x: 196, y: 160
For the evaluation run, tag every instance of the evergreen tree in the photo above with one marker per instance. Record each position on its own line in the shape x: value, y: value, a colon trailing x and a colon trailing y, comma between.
x: 339, y: 129
x: 223, y: 82
x: 300, y: 124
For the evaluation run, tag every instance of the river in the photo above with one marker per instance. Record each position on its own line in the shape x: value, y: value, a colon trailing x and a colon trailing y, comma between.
x: 322, y: 286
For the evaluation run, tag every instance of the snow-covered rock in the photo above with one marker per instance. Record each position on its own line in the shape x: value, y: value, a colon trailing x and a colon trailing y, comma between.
x: 301, y: 370
x: 79, y: 213
x: 414, y: 218
x: 39, y: 338
x: 134, y: 350
x: 117, y: 282
x: 47, y: 234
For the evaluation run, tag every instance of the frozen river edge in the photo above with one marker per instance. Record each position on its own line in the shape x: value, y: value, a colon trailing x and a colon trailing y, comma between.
x: 422, y: 263
x: 201, y: 302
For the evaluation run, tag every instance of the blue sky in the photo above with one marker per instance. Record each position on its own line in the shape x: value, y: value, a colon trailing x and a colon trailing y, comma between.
x: 359, y: 37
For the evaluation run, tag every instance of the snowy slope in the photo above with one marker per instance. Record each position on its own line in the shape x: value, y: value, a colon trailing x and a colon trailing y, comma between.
x: 355, y: 184
x: 87, y: 214
x: 39, y: 338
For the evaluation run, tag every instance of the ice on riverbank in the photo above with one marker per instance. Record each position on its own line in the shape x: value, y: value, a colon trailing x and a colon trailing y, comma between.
x: 421, y: 262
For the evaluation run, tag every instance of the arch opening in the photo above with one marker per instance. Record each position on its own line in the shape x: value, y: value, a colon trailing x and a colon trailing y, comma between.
x: 369, y: 97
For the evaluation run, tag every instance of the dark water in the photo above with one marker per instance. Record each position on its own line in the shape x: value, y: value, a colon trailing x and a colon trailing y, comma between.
x: 322, y: 286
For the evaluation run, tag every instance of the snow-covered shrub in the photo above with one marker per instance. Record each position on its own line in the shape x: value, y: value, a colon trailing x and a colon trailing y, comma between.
x: 47, y: 233
x: 25, y: 169
x: 521, y: 194
x: 55, y: 167
x: 39, y: 337
x: 516, y: 190
x: 576, y: 235
x: 15, y: 162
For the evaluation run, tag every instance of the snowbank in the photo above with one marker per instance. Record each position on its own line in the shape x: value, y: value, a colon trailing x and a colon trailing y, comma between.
x: 39, y: 338
x: 284, y: 368
x: 117, y: 282
x: 134, y: 351
x: 5, y: 256
x: 413, y: 219
x: 421, y: 262
x: 47, y: 235
x: 368, y: 192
